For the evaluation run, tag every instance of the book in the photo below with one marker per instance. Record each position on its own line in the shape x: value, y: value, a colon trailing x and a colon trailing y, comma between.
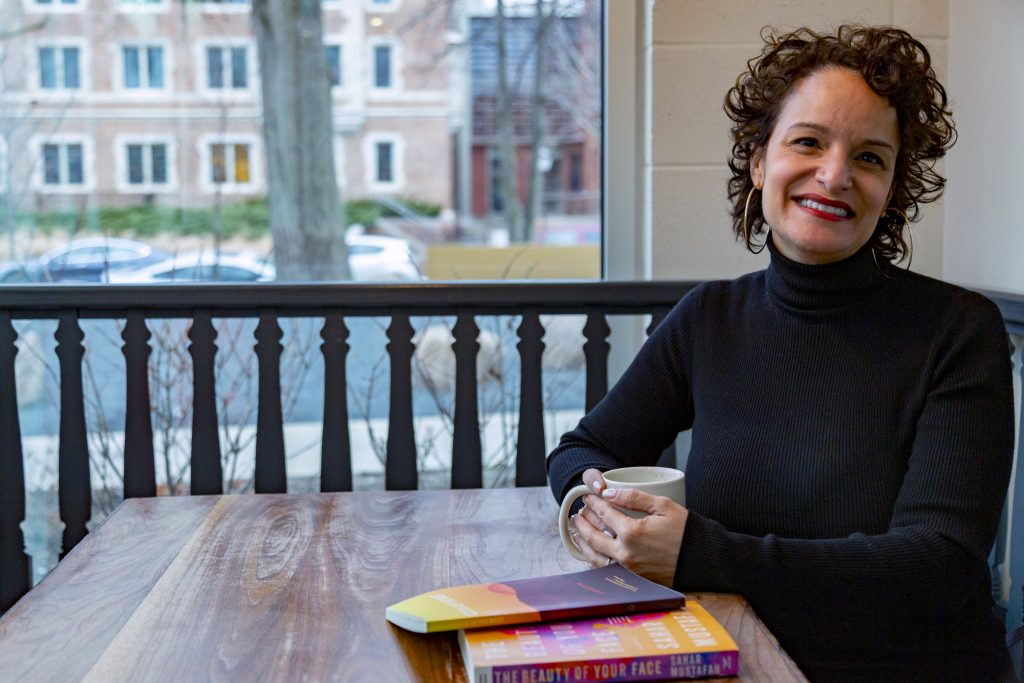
x: 594, y: 592
x: 678, y: 644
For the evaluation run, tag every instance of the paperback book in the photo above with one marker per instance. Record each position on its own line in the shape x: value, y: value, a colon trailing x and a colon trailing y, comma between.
x: 594, y: 592
x: 678, y: 644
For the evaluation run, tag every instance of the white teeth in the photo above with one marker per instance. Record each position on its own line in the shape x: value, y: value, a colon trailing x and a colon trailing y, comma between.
x: 817, y: 206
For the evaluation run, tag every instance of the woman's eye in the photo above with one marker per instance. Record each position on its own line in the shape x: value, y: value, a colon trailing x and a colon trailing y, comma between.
x: 806, y: 142
x: 872, y: 158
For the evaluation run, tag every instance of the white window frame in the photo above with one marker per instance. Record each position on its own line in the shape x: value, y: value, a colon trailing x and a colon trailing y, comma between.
x: 224, y: 7
x: 256, y: 179
x: 141, y: 7
x: 396, y: 67
x: 370, y: 142
x: 121, y: 143
x: 251, y: 70
x: 57, y: 7
x: 144, y: 90
x: 88, y: 184
x: 59, y: 43
x: 389, y: 6
x: 335, y: 40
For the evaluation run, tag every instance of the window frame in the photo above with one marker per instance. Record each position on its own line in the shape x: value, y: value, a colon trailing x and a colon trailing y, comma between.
x: 56, y: 7
x: 123, y: 183
x: 257, y: 180
x: 88, y: 184
x: 141, y: 6
x: 203, y: 88
x: 370, y: 142
x: 396, y: 60
x: 146, y: 90
x: 60, y: 43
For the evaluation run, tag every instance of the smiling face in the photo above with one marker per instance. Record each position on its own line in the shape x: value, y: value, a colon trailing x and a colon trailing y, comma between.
x: 827, y: 169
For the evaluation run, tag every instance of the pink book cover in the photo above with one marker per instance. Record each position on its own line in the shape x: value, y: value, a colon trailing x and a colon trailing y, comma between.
x: 679, y: 644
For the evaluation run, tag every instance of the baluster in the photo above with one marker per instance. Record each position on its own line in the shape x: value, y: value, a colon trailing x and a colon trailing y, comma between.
x: 400, y: 468
x: 270, y: 469
x: 336, y: 450
x: 207, y: 475
x: 73, y: 483
x: 139, y: 466
x: 530, y: 447
x: 669, y: 456
x: 15, y: 564
x: 467, y: 466
x: 595, y: 349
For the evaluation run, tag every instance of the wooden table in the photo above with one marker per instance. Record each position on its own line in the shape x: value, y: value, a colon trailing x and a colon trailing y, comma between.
x: 293, y: 587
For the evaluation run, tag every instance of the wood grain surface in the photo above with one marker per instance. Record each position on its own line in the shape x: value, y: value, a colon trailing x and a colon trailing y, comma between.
x: 293, y: 587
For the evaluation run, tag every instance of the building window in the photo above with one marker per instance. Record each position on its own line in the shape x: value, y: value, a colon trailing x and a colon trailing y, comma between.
x: 227, y: 67
x: 385, y: 162
x: 143, y: 66
x: 230, y: 164
x: 63, y: 164
x: 55, y: 3
x: 59, y: 68
x: 3, y: 165
x: 385, y: 166
x: 141, y: 2
x: 147, y: 164
x: 382, y: 66
x: 334, y: 63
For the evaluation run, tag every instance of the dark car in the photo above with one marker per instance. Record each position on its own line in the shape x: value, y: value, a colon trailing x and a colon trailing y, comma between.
x: 90, y: 259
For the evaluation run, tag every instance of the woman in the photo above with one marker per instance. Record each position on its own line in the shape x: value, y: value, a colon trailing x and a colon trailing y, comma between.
x: 852, y: 422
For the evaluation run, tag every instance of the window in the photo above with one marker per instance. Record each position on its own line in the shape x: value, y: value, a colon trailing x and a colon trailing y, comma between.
x: 55, y: 4
x: 229, y: 163
x: 146, y: 164
x: 385, y: 173
x: 59, y: 68
x: 334, y: 64
x: 62, y: 163
x: 227, y: 67
x: 385, y: 166
x: 382, y: 66
x: 143, y: 66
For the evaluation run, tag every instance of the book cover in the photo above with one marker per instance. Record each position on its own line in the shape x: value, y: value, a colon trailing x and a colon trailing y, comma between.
x: 679, y: 644
x: 594, y: 592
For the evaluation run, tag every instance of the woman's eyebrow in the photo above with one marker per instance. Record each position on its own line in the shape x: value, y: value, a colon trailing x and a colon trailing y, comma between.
x: 824, y: 129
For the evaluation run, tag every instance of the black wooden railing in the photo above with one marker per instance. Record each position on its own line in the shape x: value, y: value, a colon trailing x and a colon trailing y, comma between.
x: 269, y: 303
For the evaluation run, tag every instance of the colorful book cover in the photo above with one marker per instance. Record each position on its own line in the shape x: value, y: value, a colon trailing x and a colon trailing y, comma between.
x: 656, y: 646
x: 594, y: 592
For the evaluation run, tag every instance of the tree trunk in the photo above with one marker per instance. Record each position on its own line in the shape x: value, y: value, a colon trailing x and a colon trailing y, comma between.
x: 506, y: 128
x: 304, y: 202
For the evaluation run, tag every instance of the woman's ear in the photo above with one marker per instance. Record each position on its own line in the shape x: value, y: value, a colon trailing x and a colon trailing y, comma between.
x: 757, y: 168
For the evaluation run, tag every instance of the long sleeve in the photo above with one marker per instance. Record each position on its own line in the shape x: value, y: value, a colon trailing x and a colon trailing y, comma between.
x: 852, y: 442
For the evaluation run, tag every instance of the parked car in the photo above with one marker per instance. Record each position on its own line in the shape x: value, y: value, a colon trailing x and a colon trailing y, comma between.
x: 374, y: 258
x: 18, y: 272
x: 92, y: 259
x: 200, y: 266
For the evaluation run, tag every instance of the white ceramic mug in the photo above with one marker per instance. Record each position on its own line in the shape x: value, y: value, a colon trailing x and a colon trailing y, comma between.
x: 658, y: 481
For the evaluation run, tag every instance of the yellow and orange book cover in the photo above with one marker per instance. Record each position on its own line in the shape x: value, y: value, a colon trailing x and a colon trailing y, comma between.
x: 654, y: 646
x: 594, y: 592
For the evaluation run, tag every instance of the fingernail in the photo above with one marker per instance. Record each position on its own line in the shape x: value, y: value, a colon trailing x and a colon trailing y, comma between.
x: 609, y: 493
x: 597, y: 486
x: 575, y: 536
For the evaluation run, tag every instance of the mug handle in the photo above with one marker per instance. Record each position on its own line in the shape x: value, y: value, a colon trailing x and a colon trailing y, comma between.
x: 563, y: 519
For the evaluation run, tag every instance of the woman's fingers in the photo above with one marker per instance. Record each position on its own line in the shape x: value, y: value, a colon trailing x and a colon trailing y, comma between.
x: 594, y: 480
x: 594, y: 543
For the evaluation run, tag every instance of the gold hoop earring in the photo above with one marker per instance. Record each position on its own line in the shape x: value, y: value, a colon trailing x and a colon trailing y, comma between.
x: 910, y: 231
x: 746, y: 226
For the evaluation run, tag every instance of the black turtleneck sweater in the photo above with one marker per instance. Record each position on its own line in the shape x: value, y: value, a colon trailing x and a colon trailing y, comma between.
x: 851, y: 449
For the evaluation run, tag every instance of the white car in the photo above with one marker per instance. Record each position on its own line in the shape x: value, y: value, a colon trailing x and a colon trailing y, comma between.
x: 380, y: 259
x: 200, y: 266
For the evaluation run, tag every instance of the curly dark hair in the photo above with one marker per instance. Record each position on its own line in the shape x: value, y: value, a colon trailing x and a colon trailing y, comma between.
x: 895, y: 65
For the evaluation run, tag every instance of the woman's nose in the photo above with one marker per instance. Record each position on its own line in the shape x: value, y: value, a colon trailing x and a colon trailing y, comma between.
x: 834, y: 172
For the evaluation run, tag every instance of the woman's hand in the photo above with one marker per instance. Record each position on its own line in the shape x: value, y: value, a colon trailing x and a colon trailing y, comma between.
x: 648, y: 546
